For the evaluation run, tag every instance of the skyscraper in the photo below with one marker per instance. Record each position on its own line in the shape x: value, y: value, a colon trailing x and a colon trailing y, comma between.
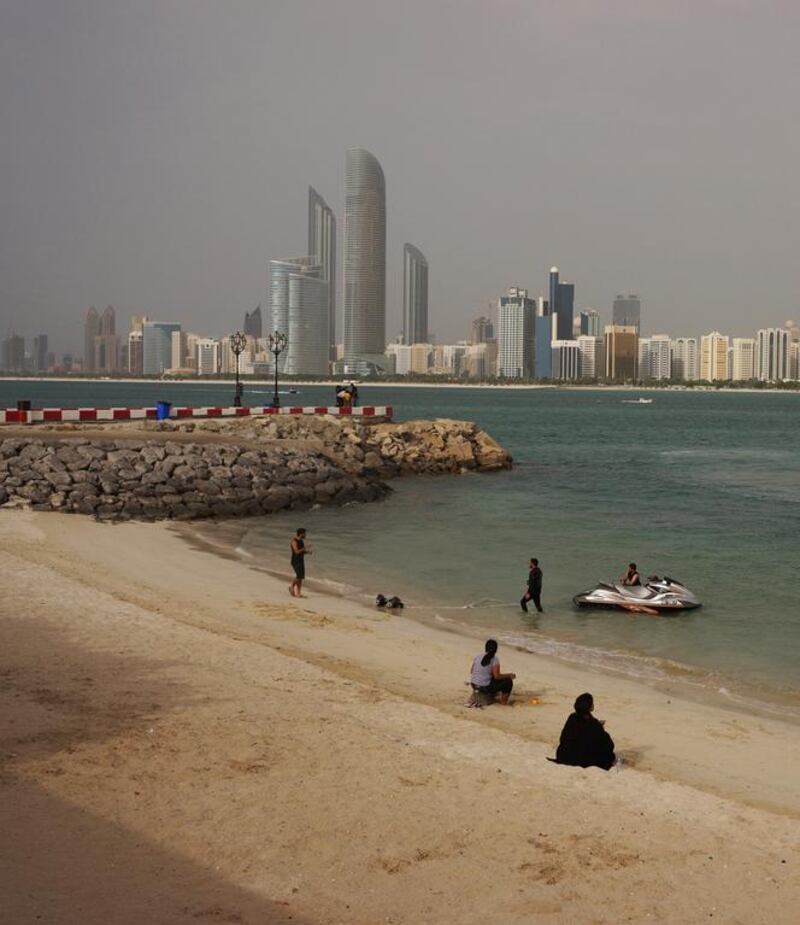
x: 590, y: 322
x: 627, y: 311
x: 415, y: 296
x: 252, y: 322
x: 308, y: 350
x: 279, y: 273
x: 91, y: 329
x: 655, y: 357
x: 157, y: 346
x: 772, y: 354
x: 743, y: 359
x: 714, y: 357
x: 322, y: 247
x: 12, y: 359
x: 515, y: 323
x: 544, y: 333
x: 364, y: 260
x: 622, y: 352
x: 135, y: 348
x: 565, y: 310
x: 40, y: 353
x: 566, y: 359
x: 482, y: 331
x: 562, y: 305
x: 590, y: 348
x: 108, y: 321
x: 684, y: 359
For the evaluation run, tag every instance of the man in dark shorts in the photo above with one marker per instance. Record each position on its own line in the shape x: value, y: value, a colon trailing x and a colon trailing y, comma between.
x: 299, y: 553
x: 534, y: 592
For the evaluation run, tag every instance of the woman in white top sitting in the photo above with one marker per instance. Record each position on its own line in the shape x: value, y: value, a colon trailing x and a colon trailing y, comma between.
x: 486, y: 677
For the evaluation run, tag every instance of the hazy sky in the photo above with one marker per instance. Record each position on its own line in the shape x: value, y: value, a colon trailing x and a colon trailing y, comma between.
x: 156, y: 155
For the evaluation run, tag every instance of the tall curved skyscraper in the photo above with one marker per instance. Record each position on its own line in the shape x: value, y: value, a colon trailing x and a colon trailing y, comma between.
x: 364, y: 260
x: 322, y: 246
x: 415, y: 296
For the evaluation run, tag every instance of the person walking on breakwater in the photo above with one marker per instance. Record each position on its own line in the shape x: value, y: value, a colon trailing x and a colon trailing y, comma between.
x: 534, y: 592
x: 299, y: 553
x: 486, y: 677
x: 584, y: 742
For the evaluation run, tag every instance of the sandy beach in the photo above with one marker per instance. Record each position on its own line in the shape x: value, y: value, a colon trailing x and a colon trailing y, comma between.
x: 181, y: 742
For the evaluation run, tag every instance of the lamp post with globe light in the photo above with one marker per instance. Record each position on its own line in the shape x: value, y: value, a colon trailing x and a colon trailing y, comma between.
x: 238, y: 345
x: 277, y: 344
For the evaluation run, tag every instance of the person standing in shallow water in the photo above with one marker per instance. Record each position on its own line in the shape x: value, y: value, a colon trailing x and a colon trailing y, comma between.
x: 299, y: 553
x: 534, y: 592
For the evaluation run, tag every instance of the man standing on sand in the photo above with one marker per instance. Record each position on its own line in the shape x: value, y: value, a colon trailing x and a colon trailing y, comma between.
x: 299, y: 553
x: 534, y: 592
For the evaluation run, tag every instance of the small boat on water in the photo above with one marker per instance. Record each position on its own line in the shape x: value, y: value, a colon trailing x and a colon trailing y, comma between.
x: 637, y: 401
x: 655, y: 596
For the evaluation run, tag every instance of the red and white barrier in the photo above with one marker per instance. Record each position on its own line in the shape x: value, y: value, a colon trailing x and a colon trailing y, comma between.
x: 90, y: 415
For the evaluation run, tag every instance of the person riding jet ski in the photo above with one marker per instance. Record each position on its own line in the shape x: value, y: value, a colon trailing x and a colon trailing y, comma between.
x: 631, y: 578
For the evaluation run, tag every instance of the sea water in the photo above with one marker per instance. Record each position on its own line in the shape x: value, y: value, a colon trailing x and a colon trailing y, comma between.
x: 702, y: 486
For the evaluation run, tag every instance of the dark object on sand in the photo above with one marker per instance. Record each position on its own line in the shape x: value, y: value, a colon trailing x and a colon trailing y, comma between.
x: 584, y: 742
x: 391, y: 603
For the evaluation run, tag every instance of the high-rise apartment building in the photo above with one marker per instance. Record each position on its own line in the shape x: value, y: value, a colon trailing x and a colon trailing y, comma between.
x: 566, y: 360
x: 685, y: 367
x: 515, y: 327
x: 253, y: 322
x: 364, y: 261
x: 415, y: 296
x: 157, y: 346
x: 309, y: 346
x: 773, y: 351
x: 655, y: 357
x: 714, y: 357
x: 482, y: 330
x: 91, y: 328
x: 590, y: 322
x: 590, y: 349
x: 627, y: 311
x: 743, y: 359
x: 322, y: 247
x: 621, y: 352
x: 40, y: 352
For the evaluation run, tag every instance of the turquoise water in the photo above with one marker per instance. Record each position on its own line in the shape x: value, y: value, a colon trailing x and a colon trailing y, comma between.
x: 703, y: 486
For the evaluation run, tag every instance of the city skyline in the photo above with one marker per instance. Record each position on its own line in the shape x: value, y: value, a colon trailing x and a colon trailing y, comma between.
x: 612, y: 185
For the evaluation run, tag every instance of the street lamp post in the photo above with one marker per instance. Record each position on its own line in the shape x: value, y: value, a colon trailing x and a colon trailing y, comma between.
x: 238, y: 344
x: 277, y: 344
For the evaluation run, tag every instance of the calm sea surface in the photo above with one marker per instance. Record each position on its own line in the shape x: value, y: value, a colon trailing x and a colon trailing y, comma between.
x: 704, y: 487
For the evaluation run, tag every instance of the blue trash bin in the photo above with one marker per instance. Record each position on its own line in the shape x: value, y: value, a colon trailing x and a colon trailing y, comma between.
x: 163, y: 409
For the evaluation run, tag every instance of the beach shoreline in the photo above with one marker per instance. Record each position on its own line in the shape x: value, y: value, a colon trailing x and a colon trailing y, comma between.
x: 184, y: 699
x: 687, y: 681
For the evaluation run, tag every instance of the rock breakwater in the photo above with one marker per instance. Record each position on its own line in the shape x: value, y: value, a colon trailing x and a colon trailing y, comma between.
x: 123, y: 479
x: 229, y: 468
x: 388, y: 449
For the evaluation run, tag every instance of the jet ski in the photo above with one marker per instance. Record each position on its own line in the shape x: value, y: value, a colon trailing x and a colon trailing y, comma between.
x: 656, y: 595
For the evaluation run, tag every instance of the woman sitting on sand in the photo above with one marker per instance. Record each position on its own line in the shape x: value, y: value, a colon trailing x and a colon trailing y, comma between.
x: 486, y: 677
x: 584, y: 742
